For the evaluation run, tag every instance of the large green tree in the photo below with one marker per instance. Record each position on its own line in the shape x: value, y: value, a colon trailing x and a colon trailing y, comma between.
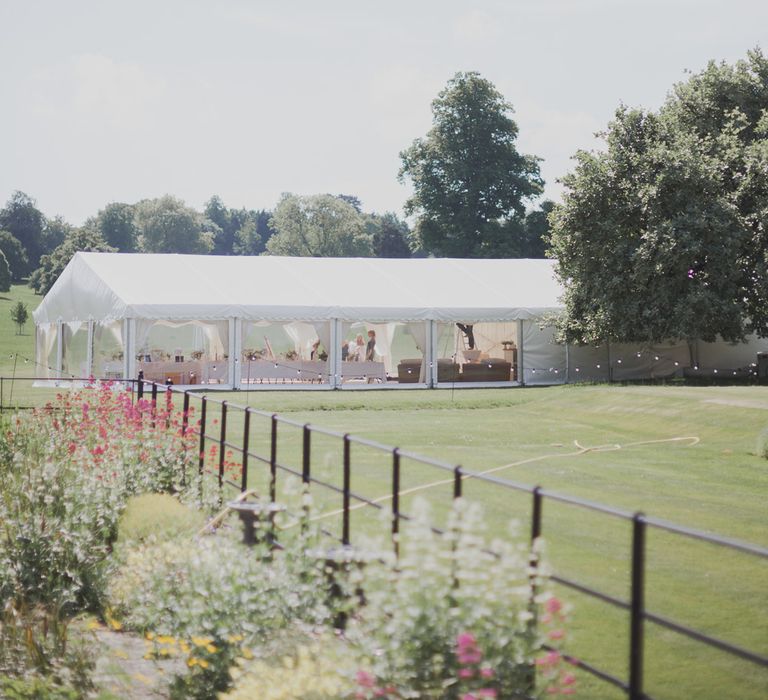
x: 468, y: 177
x: 663, y: 234
x: 390, y: 236
x: 25, y: 221
x: 318, y: 226
x: 167, y: 225
x: 116, y: 223
x: 5, y: 274
x: 51, y: 266
x: 15, y: 255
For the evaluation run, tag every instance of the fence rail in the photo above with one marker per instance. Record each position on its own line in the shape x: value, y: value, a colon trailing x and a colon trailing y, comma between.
x: 455, y: 476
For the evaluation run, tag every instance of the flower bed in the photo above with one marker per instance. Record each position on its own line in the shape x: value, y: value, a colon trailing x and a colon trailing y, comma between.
x: 455, y: 616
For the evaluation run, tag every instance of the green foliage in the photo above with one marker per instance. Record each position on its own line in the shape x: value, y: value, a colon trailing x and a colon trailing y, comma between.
x: 442, y: 587
x: 25, y: 222
x: 15, y: 255
x: 55, y: 232
x: 117, y: 226
x: 65, y: 475
x: 19, y: 315
x: 662, y: 235
x: 218, y: 599
x: 51, y: 266
x: 390, y: 236
x: 318, y: 226
x: 38, y: 660
x: 213, y: 587
x: 167, y: 225
x: 5, y: 274
x: 467, y: 174
x: 157, y: 516
x: 312, y: 671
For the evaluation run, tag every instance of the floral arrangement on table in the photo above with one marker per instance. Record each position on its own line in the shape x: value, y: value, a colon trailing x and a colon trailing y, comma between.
x: 253, y: 354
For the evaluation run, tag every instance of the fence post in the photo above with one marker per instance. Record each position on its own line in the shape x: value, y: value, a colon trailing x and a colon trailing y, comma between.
x: 273, y: 460
x: 140, y: 388
x: 1, y: 395
x: 222, y: 441
x: 533, y: 562
x: 244, y: 461
x: 201, y: 451
x: 457, y: 481
x: 637, y: 608
x: 536, y: 514
x: 305, y: 454
x: 203, y: 412
x: 396, y: 501
x: 346, y: 489
x: 185, y: 414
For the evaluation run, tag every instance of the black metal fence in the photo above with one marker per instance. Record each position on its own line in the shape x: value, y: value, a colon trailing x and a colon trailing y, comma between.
x: 211, y: 424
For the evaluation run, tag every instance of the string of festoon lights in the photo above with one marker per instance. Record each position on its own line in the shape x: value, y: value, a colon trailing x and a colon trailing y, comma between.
x: 321, y: 376
x: 660, y: 357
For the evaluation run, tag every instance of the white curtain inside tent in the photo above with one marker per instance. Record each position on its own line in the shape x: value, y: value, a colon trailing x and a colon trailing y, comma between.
x: 303, y: 335
x: 47, y: 334
x: 323, y: 331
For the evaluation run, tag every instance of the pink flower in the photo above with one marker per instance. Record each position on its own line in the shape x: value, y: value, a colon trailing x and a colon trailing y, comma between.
x: 471, y: 657
x: 487, y: 672
x: 466, y: 639
x: 550, y: 659
x: 553, y: 605
x: 486, y: 693
x: 568, y: 679
x: 365, y: 679
x: 469, y: 696
x: 466, y: 673
x: 556, y: 634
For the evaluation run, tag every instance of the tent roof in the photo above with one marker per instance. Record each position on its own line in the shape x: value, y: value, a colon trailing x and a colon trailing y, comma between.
x: 113, y: 286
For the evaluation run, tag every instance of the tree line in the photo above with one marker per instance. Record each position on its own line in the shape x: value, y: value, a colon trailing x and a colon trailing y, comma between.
x: 661, y: 233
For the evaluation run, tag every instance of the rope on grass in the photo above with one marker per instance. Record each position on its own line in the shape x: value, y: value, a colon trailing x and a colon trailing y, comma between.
x: 692, y: 440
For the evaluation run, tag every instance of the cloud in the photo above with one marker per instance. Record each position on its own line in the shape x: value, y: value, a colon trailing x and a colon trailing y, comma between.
x: 92, y: 89
x: 476, y: 26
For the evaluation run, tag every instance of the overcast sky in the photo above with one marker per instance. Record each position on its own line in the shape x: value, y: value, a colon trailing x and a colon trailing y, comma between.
x: 105, y: 101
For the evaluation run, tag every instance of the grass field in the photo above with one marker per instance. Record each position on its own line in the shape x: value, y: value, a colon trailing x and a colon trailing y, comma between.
x: 715, y: 482
x: 12, y: 343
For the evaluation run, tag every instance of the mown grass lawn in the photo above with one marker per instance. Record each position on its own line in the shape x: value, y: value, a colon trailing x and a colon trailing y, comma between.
x: 714, y: 482
x: 11, y: 342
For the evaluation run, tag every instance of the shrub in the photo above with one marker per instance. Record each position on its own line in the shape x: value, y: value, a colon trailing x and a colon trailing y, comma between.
x: 441, y: 588
x: 157, y: 516
x: 312, y: 671
x: 66, y: 472
x: 217, y: 591
x: 38, y: 660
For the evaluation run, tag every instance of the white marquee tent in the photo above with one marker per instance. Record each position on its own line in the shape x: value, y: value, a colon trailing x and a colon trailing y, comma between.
x: 282, y: 321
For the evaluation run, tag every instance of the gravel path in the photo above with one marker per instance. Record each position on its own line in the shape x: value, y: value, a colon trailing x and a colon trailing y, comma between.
x: 122, y: 670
